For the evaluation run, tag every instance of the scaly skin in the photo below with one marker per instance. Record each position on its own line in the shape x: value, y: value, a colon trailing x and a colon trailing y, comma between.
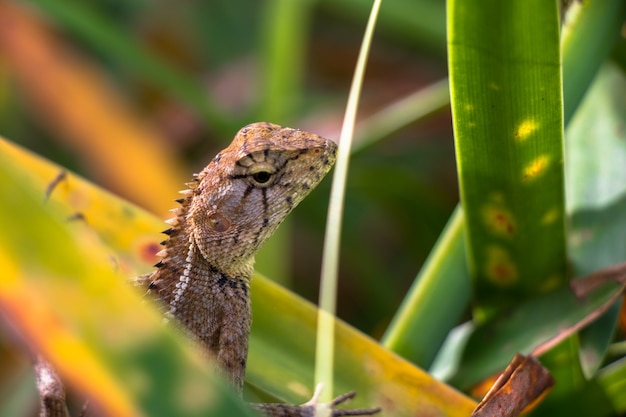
x: 231, y: 208
x: 229, y: 211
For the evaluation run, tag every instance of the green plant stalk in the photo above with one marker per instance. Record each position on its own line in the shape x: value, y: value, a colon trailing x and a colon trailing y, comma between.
x: 574, y: 61
x: 324, y: 352
x: 118, y: 46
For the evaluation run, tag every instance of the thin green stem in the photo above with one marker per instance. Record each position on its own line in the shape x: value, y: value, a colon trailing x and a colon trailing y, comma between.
x: 330, y: 261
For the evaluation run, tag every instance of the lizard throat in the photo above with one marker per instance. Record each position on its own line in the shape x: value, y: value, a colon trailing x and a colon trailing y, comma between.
x: 183, y: 281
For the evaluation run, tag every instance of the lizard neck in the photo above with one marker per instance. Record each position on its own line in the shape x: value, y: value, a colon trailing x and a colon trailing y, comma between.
x: 212, y: 306
x: 189, y: 286
x: 186, y: 279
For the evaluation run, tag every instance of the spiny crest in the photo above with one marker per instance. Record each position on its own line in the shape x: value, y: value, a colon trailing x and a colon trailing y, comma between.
x: 177, y: 221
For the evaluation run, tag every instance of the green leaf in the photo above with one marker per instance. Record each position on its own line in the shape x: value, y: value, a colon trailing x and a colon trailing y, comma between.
x: 588, y: 37
x: 505, y: 80
x: 596, y: 151
x: 578, y: 74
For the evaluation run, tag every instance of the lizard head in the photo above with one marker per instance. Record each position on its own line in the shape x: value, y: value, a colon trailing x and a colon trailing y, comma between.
x: 249, y: 188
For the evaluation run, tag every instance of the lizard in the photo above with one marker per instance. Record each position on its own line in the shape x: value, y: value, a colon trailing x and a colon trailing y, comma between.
x: 203, y: 278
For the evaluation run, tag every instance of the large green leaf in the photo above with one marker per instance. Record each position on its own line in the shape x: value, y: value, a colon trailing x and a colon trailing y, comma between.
x: 505, y: 83
x: 595, y: 164
x: 590, y: 32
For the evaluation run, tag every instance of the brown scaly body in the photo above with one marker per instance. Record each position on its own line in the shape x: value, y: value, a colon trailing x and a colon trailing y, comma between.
x: 229, y: 211
x: 231, y: 208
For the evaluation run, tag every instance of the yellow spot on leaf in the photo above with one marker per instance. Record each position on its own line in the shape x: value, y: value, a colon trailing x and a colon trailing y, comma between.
x: 550, y: 217
x: 525, y: 129
x: 536, y: 168
x: 499, y: 220
x: 500, y: 268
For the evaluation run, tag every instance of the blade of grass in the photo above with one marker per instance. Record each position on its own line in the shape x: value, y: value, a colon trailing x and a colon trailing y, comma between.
x: 330, y: 261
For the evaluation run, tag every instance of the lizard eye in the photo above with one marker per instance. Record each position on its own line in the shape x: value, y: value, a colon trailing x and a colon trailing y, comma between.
x: 260, y: 174
x: 262, y: 177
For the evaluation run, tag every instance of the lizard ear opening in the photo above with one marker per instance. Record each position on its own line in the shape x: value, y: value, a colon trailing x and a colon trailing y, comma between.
x: 219, y: 222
